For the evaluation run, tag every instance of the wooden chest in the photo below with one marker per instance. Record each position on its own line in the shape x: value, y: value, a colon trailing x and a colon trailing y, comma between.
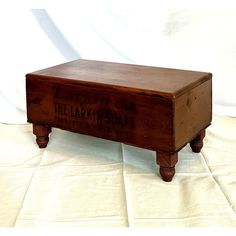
x: 155, y: 108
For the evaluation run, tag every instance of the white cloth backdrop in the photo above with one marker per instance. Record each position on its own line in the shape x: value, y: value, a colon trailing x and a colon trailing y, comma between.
x: 66, y: 183
x: 141, y: 32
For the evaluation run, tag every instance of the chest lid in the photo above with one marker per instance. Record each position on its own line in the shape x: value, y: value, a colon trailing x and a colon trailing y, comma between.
x: 164, y: 82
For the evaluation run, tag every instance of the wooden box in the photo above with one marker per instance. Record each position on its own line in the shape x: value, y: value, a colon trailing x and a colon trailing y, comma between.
x: 155, y: 108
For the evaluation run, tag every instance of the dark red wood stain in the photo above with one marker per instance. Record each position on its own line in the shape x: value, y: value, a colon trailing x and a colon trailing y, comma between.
x: 155, y: 108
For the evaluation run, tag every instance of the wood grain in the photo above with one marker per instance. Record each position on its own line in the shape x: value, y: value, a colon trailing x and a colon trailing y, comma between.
x: 155, y: 108
x: 164, y: 82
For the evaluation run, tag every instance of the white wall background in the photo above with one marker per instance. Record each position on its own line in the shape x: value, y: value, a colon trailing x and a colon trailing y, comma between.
x: 159, y: 33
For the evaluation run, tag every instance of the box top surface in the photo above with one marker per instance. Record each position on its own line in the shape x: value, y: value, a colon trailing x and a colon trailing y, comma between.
x: 143, y: 79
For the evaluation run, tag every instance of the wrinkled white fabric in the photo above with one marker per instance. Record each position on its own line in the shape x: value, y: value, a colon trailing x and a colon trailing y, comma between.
x: 80, y: 180
x: 84, y: 181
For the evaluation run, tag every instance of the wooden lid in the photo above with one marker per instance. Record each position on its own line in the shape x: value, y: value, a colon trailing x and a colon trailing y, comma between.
x: 164, y: 82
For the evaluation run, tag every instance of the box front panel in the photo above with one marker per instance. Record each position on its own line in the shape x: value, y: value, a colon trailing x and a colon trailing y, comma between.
x: 137, y: 119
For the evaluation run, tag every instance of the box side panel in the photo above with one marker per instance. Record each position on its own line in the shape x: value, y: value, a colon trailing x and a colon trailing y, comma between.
x: 192, y: 113
x: 140, y: 120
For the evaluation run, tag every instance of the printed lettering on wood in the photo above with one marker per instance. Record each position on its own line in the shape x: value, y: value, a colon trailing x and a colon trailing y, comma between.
x: 84, y: 109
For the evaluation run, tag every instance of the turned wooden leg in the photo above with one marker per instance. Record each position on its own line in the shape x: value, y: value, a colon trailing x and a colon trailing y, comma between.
x: 197, y: 143
x: 167, y: 163
x: 41, y: 133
